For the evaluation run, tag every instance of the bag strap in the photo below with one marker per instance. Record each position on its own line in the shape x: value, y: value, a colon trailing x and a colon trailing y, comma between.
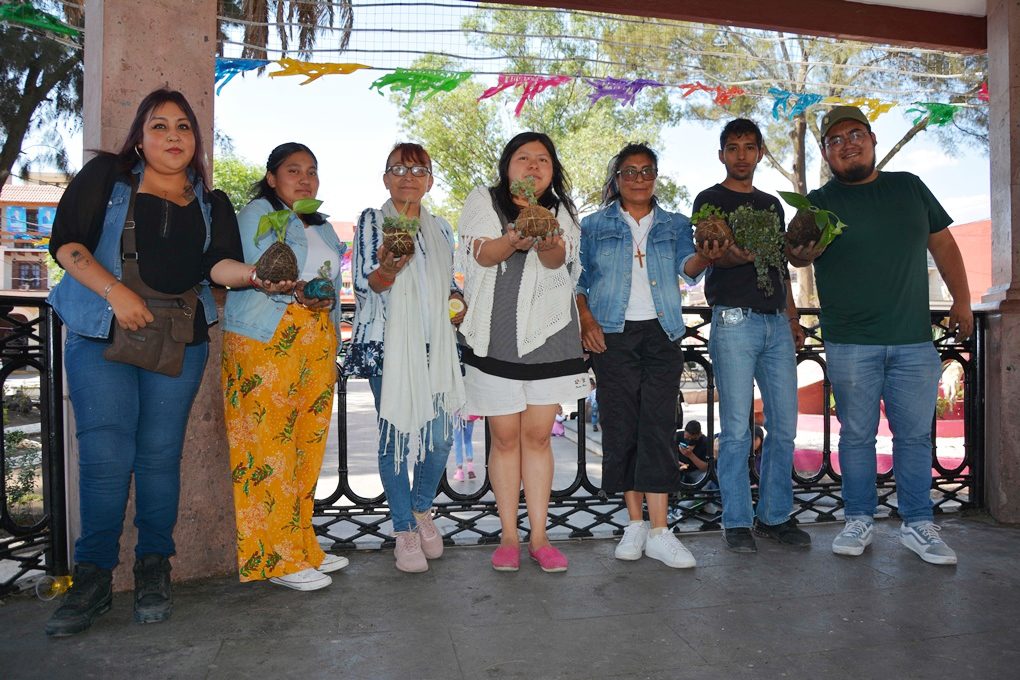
x: 130, y: 275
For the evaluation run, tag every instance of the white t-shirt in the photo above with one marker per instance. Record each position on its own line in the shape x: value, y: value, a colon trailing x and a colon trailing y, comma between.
x: 640, y: 306
x: 318, y: 253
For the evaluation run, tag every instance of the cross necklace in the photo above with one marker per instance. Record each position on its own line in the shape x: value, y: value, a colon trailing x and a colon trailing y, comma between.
x: 638, y: 255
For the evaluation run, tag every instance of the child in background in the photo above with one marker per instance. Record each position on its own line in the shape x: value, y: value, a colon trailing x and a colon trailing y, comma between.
x: 557, y: 429
x: 463, y: 449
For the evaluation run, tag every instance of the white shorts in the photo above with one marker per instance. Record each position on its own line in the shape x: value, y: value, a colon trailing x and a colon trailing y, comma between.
x: 490, y: 395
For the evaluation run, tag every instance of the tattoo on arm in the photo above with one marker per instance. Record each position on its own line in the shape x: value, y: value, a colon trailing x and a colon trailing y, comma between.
x: 80, y: 260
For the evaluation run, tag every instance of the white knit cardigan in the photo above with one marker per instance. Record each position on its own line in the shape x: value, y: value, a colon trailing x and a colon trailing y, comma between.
x: 546, y: 295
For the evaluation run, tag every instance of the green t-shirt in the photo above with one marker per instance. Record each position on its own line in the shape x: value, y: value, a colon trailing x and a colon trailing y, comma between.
x: 873, y: 279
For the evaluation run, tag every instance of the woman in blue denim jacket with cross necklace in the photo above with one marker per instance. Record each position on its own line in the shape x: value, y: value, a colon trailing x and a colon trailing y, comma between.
x: 628, y: 297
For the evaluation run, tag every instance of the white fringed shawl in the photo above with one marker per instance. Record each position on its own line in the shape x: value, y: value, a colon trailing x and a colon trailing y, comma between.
x: 546, y: 295
x: 416, y: 384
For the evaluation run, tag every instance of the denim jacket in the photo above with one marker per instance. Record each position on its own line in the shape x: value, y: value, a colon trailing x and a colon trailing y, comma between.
x: 251, y: 312
x: 607, y: 252
x: 85, y: 312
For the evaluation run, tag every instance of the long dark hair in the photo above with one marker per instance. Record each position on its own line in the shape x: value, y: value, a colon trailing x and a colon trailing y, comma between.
x: 558, y: 191
x: 128, y: 154
x: 277, y: 156
x: 611, y: 188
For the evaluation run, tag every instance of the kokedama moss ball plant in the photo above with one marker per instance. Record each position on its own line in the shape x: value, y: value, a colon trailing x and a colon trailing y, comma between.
x: 398, y: 234
x: 758, y: 231
x: 710, y: 225
x: 811, y: 224
x: 321, y: 287
x: 278, y: 262
x: 533, y: 221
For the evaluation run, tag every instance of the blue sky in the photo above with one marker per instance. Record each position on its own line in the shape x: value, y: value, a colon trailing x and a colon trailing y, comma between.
x: 351, y: 129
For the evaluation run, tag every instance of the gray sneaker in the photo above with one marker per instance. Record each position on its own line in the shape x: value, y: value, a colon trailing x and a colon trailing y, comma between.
x: 924, y: 540
x: 855, y: 537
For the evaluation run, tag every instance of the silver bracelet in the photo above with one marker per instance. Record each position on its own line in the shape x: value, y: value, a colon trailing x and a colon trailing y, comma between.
x: 109, y: 287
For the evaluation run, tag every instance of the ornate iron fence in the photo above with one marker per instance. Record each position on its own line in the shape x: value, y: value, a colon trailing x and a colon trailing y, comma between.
x: 581, y: 509
x: 33, y: 517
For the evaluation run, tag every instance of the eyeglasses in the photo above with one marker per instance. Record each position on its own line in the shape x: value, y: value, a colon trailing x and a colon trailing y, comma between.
x: 415, y: 170
x: 630, y: 174
x: 854, y: 137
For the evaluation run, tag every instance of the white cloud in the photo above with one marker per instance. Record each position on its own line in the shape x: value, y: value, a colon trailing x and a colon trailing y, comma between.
x: 967, y: 208
x: 921, y: 160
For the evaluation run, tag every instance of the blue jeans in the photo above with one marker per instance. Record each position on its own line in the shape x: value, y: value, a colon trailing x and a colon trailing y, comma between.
x: 402, y: 497
x: 129, y: 420
x: 463, y: 447
x: 906, y: 378
x: 746, y: 347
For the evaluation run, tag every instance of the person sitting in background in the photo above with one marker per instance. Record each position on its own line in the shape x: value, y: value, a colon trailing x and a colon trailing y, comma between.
x: 692, y: 445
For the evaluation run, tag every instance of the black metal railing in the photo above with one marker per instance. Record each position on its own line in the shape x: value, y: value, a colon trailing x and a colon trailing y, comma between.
x: 33, y: 516
x: 33, y: 513
x: 581, y: 509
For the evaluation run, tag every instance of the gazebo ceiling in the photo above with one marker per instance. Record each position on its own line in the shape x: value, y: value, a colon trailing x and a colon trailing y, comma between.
x: 956, y: 25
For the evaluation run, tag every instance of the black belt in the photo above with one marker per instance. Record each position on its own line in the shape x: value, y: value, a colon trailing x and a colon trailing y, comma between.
x: 762, y: 311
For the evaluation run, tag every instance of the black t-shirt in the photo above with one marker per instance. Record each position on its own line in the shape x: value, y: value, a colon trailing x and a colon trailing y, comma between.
x: 737, y: 286
x: 169, y: 237
x: 699, y: 447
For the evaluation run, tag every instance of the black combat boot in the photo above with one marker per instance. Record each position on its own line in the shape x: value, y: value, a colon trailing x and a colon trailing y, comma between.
x: 153, y: 599
x: 91, y: 595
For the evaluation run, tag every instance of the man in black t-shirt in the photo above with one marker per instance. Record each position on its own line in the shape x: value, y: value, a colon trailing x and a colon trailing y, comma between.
x: 754, y: 337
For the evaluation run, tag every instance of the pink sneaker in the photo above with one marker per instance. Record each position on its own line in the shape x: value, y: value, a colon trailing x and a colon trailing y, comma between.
x: 408, y: 552
x: 549, y: 559
x: 458, y: 476
x: 470, y: 470
x: 431, y: 539
x: 507, y: 558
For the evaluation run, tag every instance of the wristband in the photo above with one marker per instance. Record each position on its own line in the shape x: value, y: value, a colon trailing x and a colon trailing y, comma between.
x: 109, y: 287
x: 382, y: 278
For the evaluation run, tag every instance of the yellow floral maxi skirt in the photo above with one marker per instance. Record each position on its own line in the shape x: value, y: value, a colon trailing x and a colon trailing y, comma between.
x: 278, y: 401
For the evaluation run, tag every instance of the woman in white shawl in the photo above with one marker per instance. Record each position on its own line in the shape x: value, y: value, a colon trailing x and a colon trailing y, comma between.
x: 403, y: 306
x: 522, y: 350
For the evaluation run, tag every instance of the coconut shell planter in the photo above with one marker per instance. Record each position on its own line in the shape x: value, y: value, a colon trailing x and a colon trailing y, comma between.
x: 534, y: 221
x: 278, y: 262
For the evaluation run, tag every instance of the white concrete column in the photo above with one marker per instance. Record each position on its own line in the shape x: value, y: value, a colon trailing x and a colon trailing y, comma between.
x: 1002, y: 376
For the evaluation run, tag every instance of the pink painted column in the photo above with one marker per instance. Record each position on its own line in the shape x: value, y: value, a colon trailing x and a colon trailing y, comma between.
x: 1002, y: 375
x: 132, y: 48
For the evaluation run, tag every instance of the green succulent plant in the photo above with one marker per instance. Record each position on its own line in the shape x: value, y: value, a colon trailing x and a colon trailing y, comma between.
x: 524, y: 187
x: 758, y: 231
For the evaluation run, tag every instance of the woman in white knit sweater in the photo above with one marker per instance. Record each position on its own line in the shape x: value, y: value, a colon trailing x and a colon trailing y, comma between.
x: 522, y: 345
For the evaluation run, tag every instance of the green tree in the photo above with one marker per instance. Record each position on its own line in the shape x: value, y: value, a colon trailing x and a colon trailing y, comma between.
x: 40, y: 91
x: 235, y: 176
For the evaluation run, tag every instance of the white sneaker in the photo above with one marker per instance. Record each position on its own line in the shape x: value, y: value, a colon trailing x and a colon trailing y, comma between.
x: 632, y: 544
x: 924, y: 540
x: 668, y: 549
x: 331, y: 563
x: 306, y: 579
x: 855, y: 537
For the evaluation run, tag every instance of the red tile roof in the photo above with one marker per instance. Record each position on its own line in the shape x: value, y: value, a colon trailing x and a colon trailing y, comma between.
x: 23, y: 194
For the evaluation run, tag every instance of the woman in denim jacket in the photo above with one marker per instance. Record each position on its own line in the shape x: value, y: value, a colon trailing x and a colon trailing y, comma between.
x: 131, y: 421
x: 632, y: 252
x: 279, y: 375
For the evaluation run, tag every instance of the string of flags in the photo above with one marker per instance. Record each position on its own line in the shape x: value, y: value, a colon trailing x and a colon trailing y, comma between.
x: 422, y: 85
x: 786, y: 104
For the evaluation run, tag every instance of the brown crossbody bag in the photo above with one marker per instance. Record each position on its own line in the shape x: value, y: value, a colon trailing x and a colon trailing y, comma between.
x: 159, y: 345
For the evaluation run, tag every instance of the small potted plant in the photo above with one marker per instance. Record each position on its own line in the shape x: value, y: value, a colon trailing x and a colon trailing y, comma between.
x: 278, y: 262
x: 758, y: 231
x: 710, y: 225
x: 534, y: 221
x: 811, y: 223
x: 398, y: 234
x: 321, y: 287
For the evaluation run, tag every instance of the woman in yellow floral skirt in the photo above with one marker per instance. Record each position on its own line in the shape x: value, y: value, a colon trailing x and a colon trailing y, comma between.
x: 279, y: 373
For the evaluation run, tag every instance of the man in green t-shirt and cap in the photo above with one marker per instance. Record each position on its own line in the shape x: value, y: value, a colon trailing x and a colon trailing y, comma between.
x: 873, y: 290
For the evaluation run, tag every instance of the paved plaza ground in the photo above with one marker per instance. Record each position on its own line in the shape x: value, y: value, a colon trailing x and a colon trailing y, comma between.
x: 777, y: 614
